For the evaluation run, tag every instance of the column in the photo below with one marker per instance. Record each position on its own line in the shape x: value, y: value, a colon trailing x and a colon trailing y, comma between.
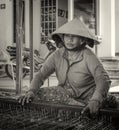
x: 70, y: 10
x: 27, y: 30
x: 107, y: 28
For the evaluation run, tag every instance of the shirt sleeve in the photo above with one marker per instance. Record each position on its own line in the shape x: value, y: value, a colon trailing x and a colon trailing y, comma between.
x: 101, y: 77
x: 46, y: 70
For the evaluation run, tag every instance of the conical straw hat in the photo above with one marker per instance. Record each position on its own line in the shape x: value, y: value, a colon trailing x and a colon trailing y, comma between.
x: 74, y: 27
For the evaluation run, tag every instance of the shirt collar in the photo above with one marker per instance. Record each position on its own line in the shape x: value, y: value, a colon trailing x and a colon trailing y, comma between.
x: 80, y: 57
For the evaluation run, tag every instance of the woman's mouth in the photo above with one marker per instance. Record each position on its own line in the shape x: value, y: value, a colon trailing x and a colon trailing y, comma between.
x: 70, y: 45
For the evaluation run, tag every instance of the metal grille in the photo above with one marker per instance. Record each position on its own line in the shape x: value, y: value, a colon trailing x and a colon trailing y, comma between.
x: 47, y: 116
x: 48, y: 17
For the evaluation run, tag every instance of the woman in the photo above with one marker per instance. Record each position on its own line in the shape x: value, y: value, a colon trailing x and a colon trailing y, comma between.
x: 81, y: 76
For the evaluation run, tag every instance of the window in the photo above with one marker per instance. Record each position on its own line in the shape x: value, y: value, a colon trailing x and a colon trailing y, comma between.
x: 48, y: 18
x: 86, y: 10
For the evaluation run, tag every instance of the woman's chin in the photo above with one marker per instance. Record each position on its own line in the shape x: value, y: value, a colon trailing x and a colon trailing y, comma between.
x: 70, y: 48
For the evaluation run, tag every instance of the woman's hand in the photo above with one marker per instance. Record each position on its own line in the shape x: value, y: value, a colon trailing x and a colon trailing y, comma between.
x: 92, y: 108
x: 29, y: 96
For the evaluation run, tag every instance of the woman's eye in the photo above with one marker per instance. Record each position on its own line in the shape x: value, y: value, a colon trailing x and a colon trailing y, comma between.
x: 67, y: 36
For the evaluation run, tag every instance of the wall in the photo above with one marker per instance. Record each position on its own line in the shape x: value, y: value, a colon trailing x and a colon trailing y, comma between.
x: 36, y: 24
x: 37, y: 29
x: 106, y: 25
x: 63, y: 5
x: 117, y: 25
x: 6, y: 23
x: 107, y: 28
x: 84, y: 12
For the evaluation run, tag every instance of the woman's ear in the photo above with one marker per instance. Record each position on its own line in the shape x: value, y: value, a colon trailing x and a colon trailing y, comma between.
x: 90, y: 43
x: 83, y: 40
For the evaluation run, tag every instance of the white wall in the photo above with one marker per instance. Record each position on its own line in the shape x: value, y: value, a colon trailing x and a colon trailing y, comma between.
x: 6, y: 23
x: 117, y: 25
x: 107, y: 28
x: 36, y: 27
x: 36, y: 24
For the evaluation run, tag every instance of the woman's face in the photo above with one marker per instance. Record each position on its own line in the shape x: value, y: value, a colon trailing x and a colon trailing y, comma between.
x: 71, y: 41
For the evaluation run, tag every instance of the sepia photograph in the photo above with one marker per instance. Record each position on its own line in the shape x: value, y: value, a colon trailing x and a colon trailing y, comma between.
x: 59, y: 65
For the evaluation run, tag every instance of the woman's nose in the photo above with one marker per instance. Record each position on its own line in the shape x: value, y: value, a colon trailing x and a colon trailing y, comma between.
x: 70, y: 38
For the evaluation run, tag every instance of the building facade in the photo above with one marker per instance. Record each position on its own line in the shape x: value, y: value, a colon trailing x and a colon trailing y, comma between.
x: 101, y: 16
